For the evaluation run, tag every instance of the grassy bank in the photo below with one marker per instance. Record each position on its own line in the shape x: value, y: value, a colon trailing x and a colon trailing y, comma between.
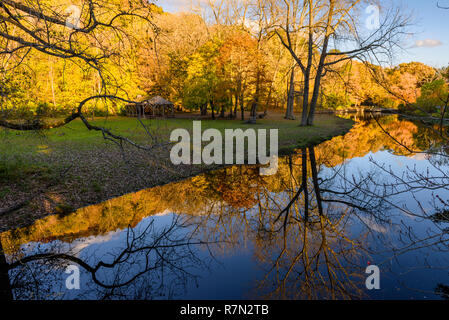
x: 59, y: 170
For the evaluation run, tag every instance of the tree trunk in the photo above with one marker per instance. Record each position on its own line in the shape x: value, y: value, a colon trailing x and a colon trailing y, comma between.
x: 321, y: 64
x: 316, y: 185
x: 236, y: 106
x: 305, y: 104
x: 212, y: 109
x: 267, y: 105
x: 204, y: 110
x: 255, y: 103
x: 242, y: 107
x: 317, y: 84
x: 290, y: 97
x: 304, y: 183
x: 305, y: 100
x: 52, y: 80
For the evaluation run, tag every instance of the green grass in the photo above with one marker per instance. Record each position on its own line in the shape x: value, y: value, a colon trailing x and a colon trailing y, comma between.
x: 17, y: 148
x: 66, y: 168
x: 76, y: 134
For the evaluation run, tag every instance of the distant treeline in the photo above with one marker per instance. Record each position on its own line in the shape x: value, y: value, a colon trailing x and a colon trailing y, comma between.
x: 209, y: 68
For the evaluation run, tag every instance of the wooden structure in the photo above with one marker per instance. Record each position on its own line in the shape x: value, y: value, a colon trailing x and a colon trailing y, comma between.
x: 151, y: 108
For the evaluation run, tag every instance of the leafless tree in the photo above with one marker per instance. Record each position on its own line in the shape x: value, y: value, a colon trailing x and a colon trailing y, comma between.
x: 333, y: 31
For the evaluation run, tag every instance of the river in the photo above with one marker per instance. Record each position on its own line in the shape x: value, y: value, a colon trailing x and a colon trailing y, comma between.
x: 376, y: 196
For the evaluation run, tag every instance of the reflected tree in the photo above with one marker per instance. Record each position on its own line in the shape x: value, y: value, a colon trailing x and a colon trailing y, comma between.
x: 443, y: 291
x: 313, y: 226
x: 153, y: 263
x: 314, y: 257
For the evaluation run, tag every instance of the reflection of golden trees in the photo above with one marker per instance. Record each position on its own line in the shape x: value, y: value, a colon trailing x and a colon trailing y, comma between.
x: 300, y: 236
x: 303, y: 251
x: 307, y: 252
x: 311, y: 261
x: 368, y: 136
x: 237, y: 187
x: 297, y: 224
x: 118, y: 213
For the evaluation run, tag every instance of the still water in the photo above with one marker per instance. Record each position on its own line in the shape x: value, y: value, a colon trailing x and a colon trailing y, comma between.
x: 308, y: 232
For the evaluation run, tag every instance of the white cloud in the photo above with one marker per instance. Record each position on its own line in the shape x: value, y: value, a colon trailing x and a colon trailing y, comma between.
x: 427, y: 43
x: 374, y: 226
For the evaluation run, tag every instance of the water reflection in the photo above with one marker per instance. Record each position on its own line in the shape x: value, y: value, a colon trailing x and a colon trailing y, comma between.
x: 307, y: 232
x: 163, y: 255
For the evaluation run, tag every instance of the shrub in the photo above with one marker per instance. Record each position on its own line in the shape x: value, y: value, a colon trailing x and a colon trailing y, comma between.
x: 335, y: 101
x: 43, y: 109
x: 432, y: 95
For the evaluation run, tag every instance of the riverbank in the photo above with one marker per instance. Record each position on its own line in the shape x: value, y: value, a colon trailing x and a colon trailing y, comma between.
x: 61, y: 170
x: 375, y: 110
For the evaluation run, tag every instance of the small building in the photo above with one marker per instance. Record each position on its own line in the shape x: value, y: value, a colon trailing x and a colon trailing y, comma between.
x: 151, y: 108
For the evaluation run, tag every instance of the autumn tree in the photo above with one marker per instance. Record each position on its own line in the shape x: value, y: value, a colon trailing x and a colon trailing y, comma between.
x: 406, y: 79
x: 329, y: 25
x: 162, y: 54
x: 435, y: 98
x: 203, y: 78
x: 238, y: 59
x: 92, y: 34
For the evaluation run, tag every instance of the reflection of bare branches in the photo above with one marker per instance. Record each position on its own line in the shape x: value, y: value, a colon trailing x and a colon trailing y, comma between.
x: 312, y: 227
x: 442, y: 290
x: 161, y: 261
x: 407, y: 147
x: 426, y: 231
x: 313, y: 247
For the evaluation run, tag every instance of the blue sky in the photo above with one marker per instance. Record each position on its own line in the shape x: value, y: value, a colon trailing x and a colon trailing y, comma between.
x: 429, y: 44
x: 432, y: 26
